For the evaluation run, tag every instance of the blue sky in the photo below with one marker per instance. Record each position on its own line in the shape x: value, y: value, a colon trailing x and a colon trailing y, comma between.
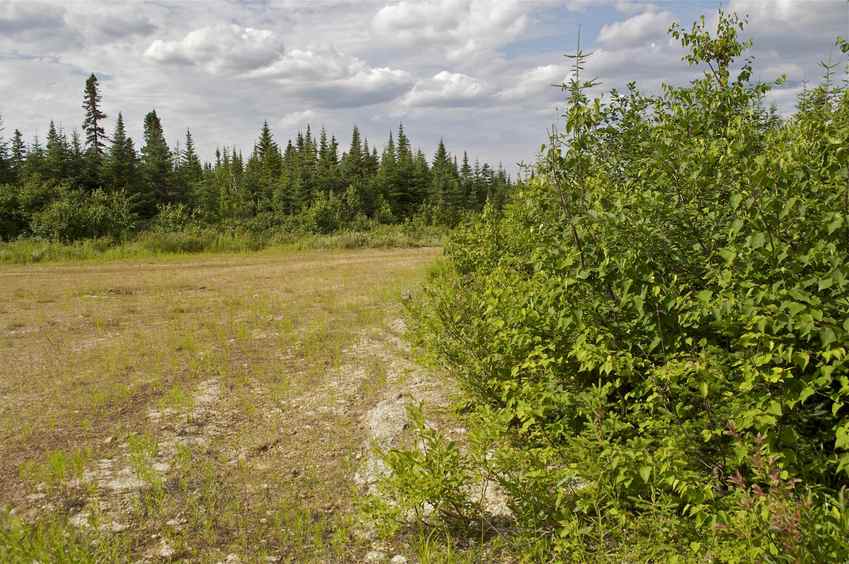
x: 475, y: 72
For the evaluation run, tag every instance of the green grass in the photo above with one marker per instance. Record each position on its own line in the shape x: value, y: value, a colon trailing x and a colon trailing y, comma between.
x: 154, y: 244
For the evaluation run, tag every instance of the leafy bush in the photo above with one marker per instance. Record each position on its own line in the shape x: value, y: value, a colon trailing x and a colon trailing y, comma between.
x: 75, y: 214
x: 656, y: 325
x: 172, y: 218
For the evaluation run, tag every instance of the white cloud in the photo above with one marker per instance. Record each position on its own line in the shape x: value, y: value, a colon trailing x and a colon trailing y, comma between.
x: 636, y: 30
x: 446, y: 89
x: 295, y: 119
x: 459, y: 27
x: 220, y: 48
x: 332, y: 78
x: 112, y: 25
x: 536, y: 83
x: 793, y: 15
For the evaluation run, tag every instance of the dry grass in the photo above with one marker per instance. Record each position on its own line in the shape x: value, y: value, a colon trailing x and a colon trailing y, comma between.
x: 196, y: 408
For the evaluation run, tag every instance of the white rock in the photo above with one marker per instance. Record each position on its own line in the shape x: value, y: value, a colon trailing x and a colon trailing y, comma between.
x: 79, y: 520
x: 166, y: 551
x: 375, y: 556
x: 398, y: 559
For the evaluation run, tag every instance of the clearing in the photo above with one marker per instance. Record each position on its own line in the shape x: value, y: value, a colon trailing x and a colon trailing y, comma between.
x: 205, y: 408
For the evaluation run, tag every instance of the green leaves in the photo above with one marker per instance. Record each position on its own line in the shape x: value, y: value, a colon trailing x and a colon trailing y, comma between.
x: 665, y: 315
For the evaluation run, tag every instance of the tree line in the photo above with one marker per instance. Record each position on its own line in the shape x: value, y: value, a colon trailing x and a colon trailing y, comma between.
x: 91, y: 184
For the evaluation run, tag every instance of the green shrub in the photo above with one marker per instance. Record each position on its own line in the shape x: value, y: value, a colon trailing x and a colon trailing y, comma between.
x: 657, y: 325
x: 75, y: 214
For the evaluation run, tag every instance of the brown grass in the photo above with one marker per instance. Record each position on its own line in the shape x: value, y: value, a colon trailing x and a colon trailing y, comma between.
x: 229, y: 389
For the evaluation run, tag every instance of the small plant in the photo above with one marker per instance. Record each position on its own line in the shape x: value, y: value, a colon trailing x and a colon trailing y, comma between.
x: 427, y: 486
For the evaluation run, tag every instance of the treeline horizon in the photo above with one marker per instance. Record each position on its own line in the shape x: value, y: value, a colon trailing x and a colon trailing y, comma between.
x: 89, y: 184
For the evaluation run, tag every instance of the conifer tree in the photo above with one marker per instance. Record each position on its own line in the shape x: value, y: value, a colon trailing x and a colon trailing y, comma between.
x: 120, y: 169
x: 34, y: 164
x: 18, y: 155
x: 467, y: 184
x: 354, y: 161
x: 95, y: 137
x: 327, y: 175
x: 158, y: 187
x: 190, y: 165
x: 76, y: 159
x: 440, y: 175
x: 6, y: 172
x: 56, y: 156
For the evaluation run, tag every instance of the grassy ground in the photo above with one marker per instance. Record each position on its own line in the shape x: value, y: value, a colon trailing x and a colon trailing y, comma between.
x: 215, y: 240
x: 200, y: 408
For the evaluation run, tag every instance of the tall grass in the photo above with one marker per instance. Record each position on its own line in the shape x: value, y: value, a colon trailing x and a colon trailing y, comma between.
x: 27, y: 251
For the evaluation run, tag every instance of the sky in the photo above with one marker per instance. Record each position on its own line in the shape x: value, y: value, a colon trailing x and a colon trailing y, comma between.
x: 476, y: 73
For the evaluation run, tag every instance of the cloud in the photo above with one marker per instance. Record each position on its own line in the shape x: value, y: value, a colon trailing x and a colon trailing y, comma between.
x: 21, y: 18
x: 331, y: 78
x: 36, y: 25
x: 294, y: 119
x: 637, y: 30
x: 447, y: 89
x: 114, y: 25
x: 459, y: 27
x: 220, y: 48
x: 535, y: 83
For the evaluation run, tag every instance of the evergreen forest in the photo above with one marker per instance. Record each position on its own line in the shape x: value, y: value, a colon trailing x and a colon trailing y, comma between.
x: 98, y: 184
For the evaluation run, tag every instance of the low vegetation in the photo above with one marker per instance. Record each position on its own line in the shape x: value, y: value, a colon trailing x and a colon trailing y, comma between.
x: 208, y: 240
x: 653, y: 334
x: 194, y: 408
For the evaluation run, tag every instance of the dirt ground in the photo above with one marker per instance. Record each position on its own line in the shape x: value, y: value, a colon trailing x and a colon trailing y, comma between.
x: 209, y: 408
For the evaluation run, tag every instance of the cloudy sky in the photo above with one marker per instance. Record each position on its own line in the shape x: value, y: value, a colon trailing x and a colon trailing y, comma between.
x: 476, y: 72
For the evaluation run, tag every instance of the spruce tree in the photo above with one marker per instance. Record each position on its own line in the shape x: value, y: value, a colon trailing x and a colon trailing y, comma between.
x: 76, y: 159
x: 34, y: 164
x: 467, y: 184
x: 190, y: 165
x: 120, y: 168
x: 327, y: 175
x: 403, y: 193
x: 95, y: 137
x: 157, y: 172
x: 6, y: 172
x: 440, y: 177
x: 56, y: 157
x: 354, y: 161
x: 18, y: 155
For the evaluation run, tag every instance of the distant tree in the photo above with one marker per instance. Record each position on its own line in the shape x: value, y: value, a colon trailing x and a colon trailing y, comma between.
x: 18, y: 155
x: 34, y: 164
x: 191, y: 168
x: 76, y: 167
x: 95, y: 137
x: 156, y: 164
x: 56, y: 156
x: 354, y: 161
x: 6, y: 172
x: 327, y: 168
x: 120, y: 171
